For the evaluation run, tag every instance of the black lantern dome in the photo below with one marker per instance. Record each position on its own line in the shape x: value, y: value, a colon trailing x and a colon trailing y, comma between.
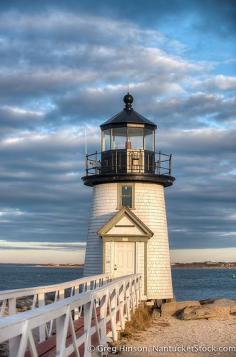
x: 127, y: 116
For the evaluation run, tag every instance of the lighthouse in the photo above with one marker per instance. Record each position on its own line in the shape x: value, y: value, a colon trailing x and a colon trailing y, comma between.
x: 127, y: 230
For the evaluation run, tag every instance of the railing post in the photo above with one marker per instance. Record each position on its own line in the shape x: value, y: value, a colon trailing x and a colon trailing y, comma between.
x: 62, y: 324
x: 87, y: 327
x: 3, y: 307
x: 127, y: 300
x: 42, y: 331
x: 113, y: 310
x: 61, y: 294
x: 139, y: 289
x: 121, y: 306
x: 76, y: 310
x: 14, y: 342
x: 103, y: 319
x: 12, y: 306
x: 133, y: 295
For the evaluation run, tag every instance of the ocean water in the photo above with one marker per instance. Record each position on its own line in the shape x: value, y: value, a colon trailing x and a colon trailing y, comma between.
x: 198, y: 284
x: 189, y: 284
x: 14, y: 276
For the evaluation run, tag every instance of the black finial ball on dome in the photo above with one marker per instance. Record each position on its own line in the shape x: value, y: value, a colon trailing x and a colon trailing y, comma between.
x: 128, y: 100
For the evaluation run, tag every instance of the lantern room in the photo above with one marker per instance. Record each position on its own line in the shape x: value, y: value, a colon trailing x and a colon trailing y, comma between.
x: 128, y: 142
x: 128, y: 151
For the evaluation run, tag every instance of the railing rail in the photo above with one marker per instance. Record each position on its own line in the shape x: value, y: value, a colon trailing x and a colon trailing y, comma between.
x: 111, y: 303
x: 128, y: 161
x: 39, y: 295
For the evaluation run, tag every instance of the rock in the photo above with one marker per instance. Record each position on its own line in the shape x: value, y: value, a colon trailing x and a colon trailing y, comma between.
x: 231, y: 304
x: 224, y: 302
x: 180, y: 305
x: 171, y: 308
x: 168, y: 309
x: 233, y: 309
x: 209, y: 311
x: 206, y: 301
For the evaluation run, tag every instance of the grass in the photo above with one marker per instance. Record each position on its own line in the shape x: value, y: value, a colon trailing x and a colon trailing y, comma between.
x: 141, y: 319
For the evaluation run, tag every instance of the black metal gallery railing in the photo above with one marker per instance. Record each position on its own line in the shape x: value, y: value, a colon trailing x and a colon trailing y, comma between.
x: 125, y: 161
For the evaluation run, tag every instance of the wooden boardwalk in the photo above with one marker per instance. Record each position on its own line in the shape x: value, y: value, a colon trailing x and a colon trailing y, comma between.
x: 70, y: 326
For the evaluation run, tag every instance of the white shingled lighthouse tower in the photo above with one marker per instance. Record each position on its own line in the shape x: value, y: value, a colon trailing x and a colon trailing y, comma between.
x: 127, y: 230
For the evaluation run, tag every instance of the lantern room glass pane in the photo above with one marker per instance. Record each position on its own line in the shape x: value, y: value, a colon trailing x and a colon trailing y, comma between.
x: 149, y: 139
x: 106, y: 140
x: 135, y: 138
x: 119, y: 138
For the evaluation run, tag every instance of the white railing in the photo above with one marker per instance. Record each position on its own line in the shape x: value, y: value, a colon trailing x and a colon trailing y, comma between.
x: 108, y: 305
x: 42, y: 295
x: 31, y: 298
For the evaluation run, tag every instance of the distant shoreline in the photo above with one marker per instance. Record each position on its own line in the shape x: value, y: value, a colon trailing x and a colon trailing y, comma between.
x: 204, y: 265
x: 47, y: 265
x: 59, y: 265
x: 194, y: 265
x: 203, y: 268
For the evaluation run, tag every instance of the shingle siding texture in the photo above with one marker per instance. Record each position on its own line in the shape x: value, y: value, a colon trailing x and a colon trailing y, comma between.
x: 150, y: 208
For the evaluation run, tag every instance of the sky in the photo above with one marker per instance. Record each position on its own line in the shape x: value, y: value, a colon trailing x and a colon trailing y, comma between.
x: 65, y: 67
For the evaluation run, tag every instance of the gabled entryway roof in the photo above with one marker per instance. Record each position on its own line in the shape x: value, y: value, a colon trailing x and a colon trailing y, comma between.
x: 125, y: 224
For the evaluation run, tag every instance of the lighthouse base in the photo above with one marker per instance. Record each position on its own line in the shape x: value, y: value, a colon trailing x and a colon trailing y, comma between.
x: 120, y: 243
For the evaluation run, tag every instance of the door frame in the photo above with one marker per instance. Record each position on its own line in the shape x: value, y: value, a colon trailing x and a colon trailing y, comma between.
x: 127, y: 239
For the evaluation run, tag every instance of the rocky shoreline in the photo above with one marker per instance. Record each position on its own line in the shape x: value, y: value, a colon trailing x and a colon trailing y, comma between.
x: 186, y: 328
x: 203, y: 309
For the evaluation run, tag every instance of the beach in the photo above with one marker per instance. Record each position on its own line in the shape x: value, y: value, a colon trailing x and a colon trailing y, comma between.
x: 169, y: 332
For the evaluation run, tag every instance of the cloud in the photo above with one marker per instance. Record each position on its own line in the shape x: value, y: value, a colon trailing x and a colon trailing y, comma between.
x: 63, y: 70
x: 220, y: 82
x: 196, y: 109
x: 199, y: 255
x: 4, y: 244
x: 41, y: 252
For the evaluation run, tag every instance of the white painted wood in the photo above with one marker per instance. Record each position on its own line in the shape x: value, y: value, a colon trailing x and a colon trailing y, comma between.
x: 124, y: 258
x: 126, y: 227
x: 140, y: 268
x: 112, y: 298
x: 108, y: 257
x: 45, y: 330
x: 42, y: 328
x: 10, y: 296
x: 150, y: 208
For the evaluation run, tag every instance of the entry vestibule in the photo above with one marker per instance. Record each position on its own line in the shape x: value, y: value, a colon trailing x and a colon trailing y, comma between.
x: 125, y: 239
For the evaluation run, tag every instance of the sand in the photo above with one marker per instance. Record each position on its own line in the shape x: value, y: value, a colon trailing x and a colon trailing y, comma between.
x: 173, y: 332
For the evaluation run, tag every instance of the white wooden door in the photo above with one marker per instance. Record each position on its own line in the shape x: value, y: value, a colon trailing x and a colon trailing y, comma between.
x: 124, y: 258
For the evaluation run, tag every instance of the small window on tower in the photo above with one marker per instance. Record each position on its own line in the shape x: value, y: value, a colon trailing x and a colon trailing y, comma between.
x: 126, y: 195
